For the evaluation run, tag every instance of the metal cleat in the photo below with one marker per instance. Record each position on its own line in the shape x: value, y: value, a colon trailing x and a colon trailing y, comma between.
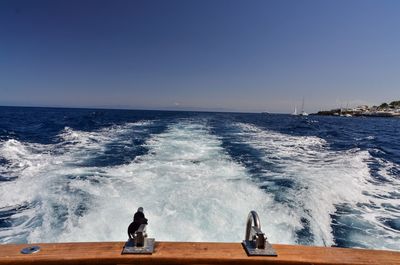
x: 255, y: 242
x: 138, y: 243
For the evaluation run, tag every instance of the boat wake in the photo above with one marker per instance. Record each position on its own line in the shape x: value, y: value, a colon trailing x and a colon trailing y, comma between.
x: 196, y: 183
x: 331, y: 193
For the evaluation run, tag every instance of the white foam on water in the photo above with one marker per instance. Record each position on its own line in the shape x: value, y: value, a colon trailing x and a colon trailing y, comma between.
x: 190, y: 189
x: 189, y: 186
x: 25, y: 161
x: 326, y: 178
x: 381, y: 194
x: 89, y: 144
x: 43, y: 184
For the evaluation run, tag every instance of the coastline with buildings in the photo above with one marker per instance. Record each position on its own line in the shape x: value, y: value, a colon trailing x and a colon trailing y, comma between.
x: 391, y: 109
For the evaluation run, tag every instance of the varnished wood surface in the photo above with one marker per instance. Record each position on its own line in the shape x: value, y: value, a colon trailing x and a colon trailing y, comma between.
x: 191, y: 253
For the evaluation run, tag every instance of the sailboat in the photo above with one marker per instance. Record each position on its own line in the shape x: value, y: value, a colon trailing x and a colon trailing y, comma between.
x: 295, y: 111
x: 303, y: 113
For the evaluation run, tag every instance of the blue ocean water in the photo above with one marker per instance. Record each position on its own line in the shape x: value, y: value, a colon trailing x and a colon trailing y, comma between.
x: 79, y: 174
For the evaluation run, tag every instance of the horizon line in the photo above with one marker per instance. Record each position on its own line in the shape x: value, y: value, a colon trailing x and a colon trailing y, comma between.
x: 170, y: 109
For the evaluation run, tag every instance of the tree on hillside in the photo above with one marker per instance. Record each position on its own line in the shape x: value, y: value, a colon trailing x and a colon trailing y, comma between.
x: 384, y: 106
x: 395, y: 104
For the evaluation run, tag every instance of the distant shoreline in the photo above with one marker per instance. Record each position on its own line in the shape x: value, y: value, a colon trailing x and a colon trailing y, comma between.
x: 351, y: 114
x: 384, y: 110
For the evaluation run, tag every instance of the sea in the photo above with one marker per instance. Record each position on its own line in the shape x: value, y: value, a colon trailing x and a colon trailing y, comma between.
x: 69, y: 175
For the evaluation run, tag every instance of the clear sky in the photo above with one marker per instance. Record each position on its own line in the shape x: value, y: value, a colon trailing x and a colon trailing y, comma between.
x: 212, y: 55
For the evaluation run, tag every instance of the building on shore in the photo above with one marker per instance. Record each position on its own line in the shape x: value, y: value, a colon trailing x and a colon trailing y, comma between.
x: 384, y: 110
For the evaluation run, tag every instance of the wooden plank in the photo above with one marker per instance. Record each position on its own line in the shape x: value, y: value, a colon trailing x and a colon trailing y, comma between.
x: 191, y: 253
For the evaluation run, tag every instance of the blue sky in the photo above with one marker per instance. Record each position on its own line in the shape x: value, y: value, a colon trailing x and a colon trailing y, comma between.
x: 208, y: 55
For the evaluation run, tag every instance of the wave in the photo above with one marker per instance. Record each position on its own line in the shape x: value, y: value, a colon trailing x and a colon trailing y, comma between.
x: 194, y: 189
x: 50, y: 181
x: 189, y: 187
x: 322, y: 182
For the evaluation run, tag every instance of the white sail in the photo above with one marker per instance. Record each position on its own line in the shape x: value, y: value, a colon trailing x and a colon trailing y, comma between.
x: 295, y: 111
x: 303, y: 113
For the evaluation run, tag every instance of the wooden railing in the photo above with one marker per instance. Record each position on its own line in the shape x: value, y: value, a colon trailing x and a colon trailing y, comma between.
x: 191, y: 253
